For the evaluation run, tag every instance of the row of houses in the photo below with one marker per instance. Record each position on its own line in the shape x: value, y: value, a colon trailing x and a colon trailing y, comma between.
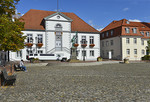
x: 51, y: 32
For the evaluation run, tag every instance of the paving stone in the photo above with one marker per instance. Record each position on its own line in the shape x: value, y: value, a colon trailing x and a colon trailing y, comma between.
x: 100, y: 83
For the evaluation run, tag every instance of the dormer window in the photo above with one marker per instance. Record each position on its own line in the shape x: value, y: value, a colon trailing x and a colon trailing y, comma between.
x: 102, y: 35
x: 142, y: 32
x: 127, y: 22
x: 112, y: 31
x: 107, y: 34
x: 127, y: 30
x: 147, y: 34
x: 134, y: 30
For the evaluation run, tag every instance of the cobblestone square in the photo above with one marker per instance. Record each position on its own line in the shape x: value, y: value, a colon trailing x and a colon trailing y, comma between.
x: 101, y: 83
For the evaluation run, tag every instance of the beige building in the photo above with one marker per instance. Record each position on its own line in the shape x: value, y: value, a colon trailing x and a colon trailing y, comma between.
x: 125, y: 39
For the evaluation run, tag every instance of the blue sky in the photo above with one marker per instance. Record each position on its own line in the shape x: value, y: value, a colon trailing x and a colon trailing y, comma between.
x: 98, y: 13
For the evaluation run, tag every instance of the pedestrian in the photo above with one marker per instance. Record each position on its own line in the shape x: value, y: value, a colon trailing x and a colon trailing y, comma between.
x: 23, y: 66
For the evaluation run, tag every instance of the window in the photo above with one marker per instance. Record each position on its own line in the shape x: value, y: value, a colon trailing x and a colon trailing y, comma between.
x: 142, y: 42
x: 112, y: 52
x: 135, y: 51
x: 91, y: 39
x: 143, y: 52
x: 127, y: 30
x: 29, y: 38
x: 134, y: 40
x: 134, y: 30
x: 102, y: 35
x: 29, y: 52
x: 103, y: 54
x: 92, y: 53
x: 83, y: 41
x: 107, y: 43
x: 112, y: 31
x: 19, y: 54
x: 128, y: 52
x: 142, y: 32
x: 127, y: 40
x: 83, y: 52
x: 127, y: 22
x: 40, y: 51
x: 58, y: 27
x: 147, y: 34
x: 40, y: 38
x: 107, y: 34
x: 111, y: 42
x: 102, y: 43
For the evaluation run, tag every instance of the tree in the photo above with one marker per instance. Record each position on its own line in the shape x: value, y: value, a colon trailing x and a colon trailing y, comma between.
x: 148, y: 46
x: 8, y: 7
x: 11, y: 37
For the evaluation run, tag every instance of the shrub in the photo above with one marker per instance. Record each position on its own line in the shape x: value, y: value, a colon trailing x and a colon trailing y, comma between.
x: 146, y: 57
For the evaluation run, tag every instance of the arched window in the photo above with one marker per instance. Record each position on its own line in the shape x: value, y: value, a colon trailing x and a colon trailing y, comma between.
x: 58, y: 27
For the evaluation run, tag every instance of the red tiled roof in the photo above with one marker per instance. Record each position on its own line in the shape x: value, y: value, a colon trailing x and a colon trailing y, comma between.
x: 141, y: 26
x: 33, y: 21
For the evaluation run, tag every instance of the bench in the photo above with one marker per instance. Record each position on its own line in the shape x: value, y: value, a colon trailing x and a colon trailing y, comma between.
x: 17, y: 68
x: 8, y: 79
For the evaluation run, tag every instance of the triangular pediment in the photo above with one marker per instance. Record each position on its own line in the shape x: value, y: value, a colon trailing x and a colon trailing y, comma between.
x: 58, y: 16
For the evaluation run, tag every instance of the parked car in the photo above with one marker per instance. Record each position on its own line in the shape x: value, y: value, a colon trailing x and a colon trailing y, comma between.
x: 47, y: 57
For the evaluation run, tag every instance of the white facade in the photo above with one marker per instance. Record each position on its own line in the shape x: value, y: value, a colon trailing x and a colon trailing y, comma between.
x: 56, y: 38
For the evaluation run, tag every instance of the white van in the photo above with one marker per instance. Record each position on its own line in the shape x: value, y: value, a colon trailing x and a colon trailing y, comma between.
x: 47, y: 57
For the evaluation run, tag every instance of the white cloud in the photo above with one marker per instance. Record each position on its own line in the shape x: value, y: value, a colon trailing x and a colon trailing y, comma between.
x: 90, y: 22
x: 126, y: 9
x: 134, y: 20
x: 99, y: 29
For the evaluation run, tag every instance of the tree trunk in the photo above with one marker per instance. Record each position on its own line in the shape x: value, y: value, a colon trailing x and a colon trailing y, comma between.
x: 8, y: 56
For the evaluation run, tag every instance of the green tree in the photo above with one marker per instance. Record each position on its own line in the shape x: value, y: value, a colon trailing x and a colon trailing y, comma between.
x: 11, y: 37
x: 8, y: 7
x: 148, y: 46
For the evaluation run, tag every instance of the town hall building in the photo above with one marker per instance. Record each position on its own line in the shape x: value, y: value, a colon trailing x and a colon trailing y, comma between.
x: 50, y: 32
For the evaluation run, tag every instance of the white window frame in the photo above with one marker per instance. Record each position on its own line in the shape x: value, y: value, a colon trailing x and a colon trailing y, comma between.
x: 135, y: 40
x: 127, y: 40
x: 143, y: 52
x: 127, y: 30
x: 128, y: 51
x: 142, y: 42
x: 134, y: 30
x: 92, y: 53
x: 29, y: 37
x: 40, y: 51
x: 19, y: 54
x: 135, y: 51
x: 83, y: 41
x: 91, y: 39
x: 142, y: 33
x: 147, y: 34
x: 40, y: 38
